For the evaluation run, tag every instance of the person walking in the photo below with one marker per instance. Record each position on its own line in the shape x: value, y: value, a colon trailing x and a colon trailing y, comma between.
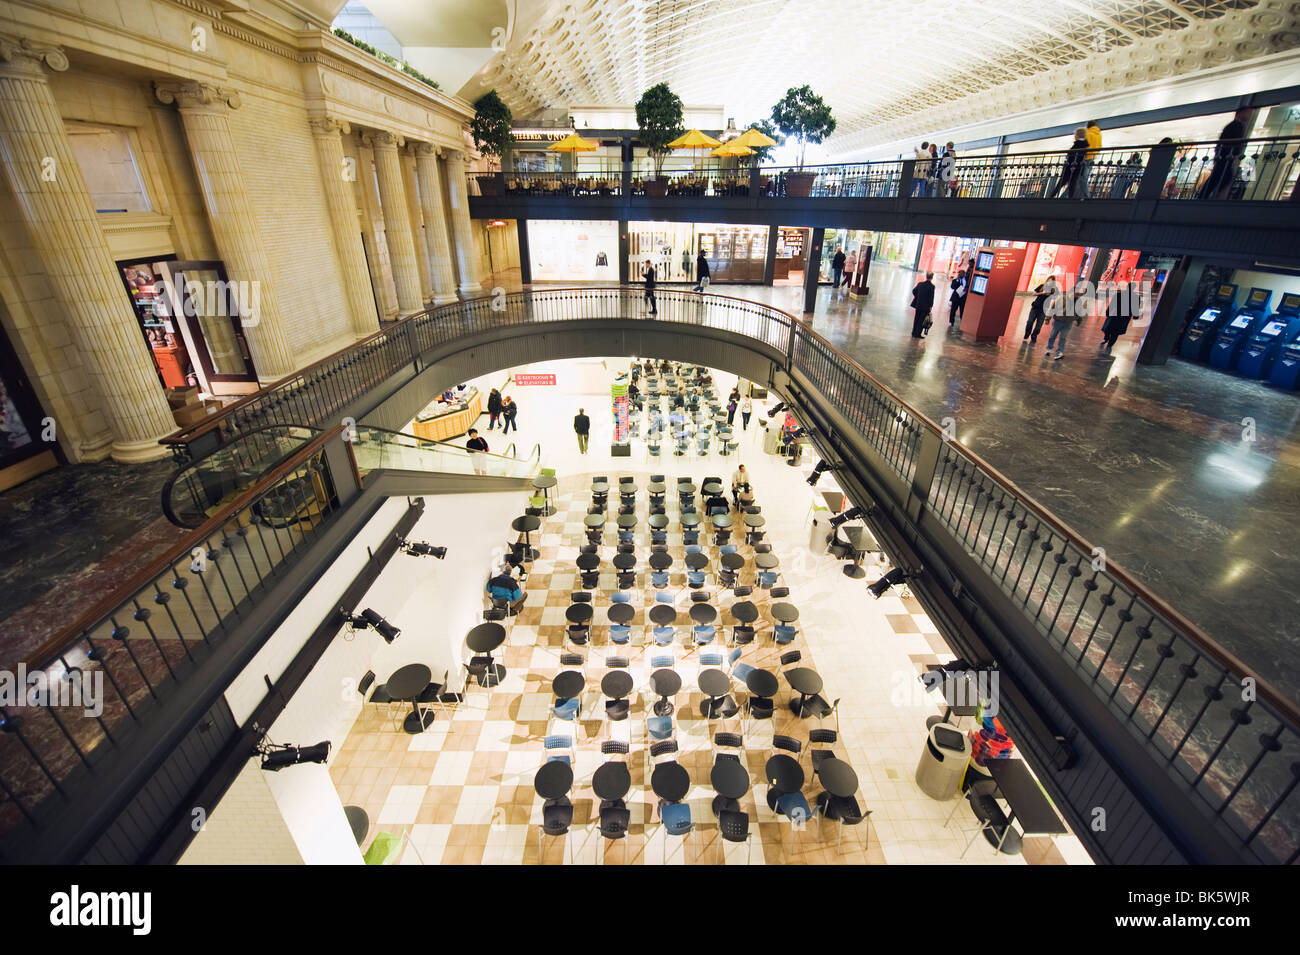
x: 1062, y: 322
x: 582, y: 428
x: 494, y: 408
x: 1092, y: 133
x: 957, y: 299
x: 1073, y: 167
x: 508, y: 411
x: 732, y: 404
x: 1119, y: 312
x: 648, y: 273
x: 1037, y: 308
x: 746, y: 409
x: 1227, y: 154
x: 922, y: 302
x: 476, y: 447
x: 932, y: 176
x: 701, y: 272
x: 837, y: 267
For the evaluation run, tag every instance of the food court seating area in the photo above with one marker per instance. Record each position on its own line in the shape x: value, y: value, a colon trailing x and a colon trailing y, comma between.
x: 678, y: 413
x: 563, y: 185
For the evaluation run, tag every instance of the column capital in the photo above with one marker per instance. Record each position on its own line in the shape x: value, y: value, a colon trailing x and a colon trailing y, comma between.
x: 325, y: 125
x: 381, y: 138
x: 193, y: 95
x: 426, y: 149
x: 21, y: 55
x: 453, y: 155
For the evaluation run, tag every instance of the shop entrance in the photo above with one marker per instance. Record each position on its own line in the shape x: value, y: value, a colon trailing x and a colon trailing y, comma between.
x: 24, y: 450
x: 190, y: 316
x: 791, y: 251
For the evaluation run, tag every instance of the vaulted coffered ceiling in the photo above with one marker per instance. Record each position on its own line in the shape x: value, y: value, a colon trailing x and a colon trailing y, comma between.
x: 888, y: 68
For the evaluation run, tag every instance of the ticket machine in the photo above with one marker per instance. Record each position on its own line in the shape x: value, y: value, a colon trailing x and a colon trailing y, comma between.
x: 1261, y: 351
x: 1201, y: 331
x: 1232, y: 337
x: 1286, y: 368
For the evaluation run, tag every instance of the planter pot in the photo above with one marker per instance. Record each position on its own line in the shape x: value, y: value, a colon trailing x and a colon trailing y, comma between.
x: 489, y: 186
x: 656, y: 188
x: 799, y: 184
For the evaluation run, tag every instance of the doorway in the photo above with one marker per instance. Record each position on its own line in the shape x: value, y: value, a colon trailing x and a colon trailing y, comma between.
x: 25, y: 448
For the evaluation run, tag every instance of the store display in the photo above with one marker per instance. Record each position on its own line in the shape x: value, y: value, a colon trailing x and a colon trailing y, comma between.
x: 621, y: 406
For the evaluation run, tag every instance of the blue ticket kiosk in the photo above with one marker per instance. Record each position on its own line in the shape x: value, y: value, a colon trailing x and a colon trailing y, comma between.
x: 1246, y: 322
x: 1260, y: 353
x: 1286, y: 368
x: 1201, y: 331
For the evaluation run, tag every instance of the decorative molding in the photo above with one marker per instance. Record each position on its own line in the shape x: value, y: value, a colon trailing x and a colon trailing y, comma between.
x: 24, y: 55
x: 194, y: 95
x: 325, y: 125
x: 426, y: 149
x: 382, y: 138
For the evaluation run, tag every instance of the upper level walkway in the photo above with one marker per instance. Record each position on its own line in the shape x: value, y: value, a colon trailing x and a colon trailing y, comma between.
x: 1176, y: 199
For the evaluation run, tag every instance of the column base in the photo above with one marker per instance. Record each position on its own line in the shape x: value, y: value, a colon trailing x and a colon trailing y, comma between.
x: 470, y: 289
x: 446, y: 299
x: 137, y: 452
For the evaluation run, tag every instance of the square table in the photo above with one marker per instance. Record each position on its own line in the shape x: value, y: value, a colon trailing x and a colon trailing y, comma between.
x: 1029, y: 805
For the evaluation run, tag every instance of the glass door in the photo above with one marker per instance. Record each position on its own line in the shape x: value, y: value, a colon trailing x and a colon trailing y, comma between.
x: 214, y: 313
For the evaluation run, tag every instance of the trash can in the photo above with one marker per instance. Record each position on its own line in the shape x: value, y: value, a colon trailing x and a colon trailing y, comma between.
x: 820, y: 533
x: 943, y: 761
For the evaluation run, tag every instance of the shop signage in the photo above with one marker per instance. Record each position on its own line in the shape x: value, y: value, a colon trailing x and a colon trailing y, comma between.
x: 540, y: 135
x: 524, y: 380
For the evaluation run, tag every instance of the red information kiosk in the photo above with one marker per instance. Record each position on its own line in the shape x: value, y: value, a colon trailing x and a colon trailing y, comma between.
x: 992, y: 291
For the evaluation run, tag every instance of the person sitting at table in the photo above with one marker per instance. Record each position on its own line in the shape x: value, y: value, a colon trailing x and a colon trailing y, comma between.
x: 744, y: 496
x: 656, y: 421
x: 738, y: 477
x: 513, y: 566
x: 505, y: 587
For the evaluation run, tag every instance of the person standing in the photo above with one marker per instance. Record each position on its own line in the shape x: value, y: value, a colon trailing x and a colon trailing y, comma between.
x: 920, y: 169
x: 582, y: 428
x: 508, y: 411
x: 746, y: 409
x: 701, y: 272
x: 648, y: 273
x: 837, y: 267
x: 1073, y: 166
x: 1092, y: 133
x: 850, y: 266
x: 1119, y: 311
x: 1226, y: 156
x: 476, y: 447
x: 957, y: 299
x: 948, y: 171
x: 1062, y: 322
x: 1038, y: 308
x: 494, y: 408
x: 922, y: 302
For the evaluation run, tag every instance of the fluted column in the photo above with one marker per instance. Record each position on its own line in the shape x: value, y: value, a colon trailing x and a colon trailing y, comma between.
x: 336, y: 177
x: 415, y: 211
x: 62, y: 225
x: 435, y: 224
x: 466, y: 260
x: 397, y: 223
x: 203, y: 110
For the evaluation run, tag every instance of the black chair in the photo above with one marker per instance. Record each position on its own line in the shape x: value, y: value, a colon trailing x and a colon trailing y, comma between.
x: 431, y: 693
x: 732, y: 741
x: 615, y: 818
x: 614, y: 747
x: 825, y: 737
x: 557, y: 816
x: 733, y: 826
x: 741, y: 635
x: 627, y: 548
x: 580, y: 597
x: 591, y: 578
x: 994, y: 826
x: 789, y: 658
x: 663, y: 747
x: 626, y: 579
x: 842, y: 809
x: 777, y: 592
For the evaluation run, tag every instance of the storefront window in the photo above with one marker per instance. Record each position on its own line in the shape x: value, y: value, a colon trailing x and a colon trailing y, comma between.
x: 670, y: 247
x: 573, y: 251
x: 735, y: 253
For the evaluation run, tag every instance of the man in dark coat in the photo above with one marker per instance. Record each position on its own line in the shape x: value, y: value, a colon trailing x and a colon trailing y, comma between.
x: 922, y: 301
x: 494, y: 408
x: 701, y: 272
x: 582, y: 428
x: 959, y: 285
x: 1119, y: 312
x: 837, y: 268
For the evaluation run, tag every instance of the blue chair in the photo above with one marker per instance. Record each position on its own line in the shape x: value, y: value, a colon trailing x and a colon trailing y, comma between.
x: 732, y: 657
x: 663, y: 597
x: 691, y: 536
x: 783, y: 634
x: 711, y: 658
x: 767, y: 579
x: 659, y: 727
x: 625, y: 535
x: 695, y: 578
x: 663, y: 636
x: 557, y: 742
x: 658, y: 578
x: 676, y: 817
x: 621, y: 598
x: 794, y: 806
x: 567, y: 709
x: 728, y: 549
x: 660, y: 660
x: 704, y: 634
x: 658, y: 536
x: 695, y: 549
x: 620, y: 634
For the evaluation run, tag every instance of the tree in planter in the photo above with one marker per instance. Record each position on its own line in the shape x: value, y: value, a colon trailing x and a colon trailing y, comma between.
x: 803, y: 114
x: 767, y: 128
x: 491, y: 126
x: 659, y: 119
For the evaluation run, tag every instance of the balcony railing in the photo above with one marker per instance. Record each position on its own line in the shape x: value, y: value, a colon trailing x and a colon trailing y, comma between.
x: 548, y: 184
x: 1226, y: 735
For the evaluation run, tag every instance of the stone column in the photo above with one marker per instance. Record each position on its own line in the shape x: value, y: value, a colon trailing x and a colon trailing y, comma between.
x: 466, y: 260
x: 230, y: 213
x: 414, y: 209
x: 337, y: 175
x: 435, y: 224
x: 397, y: 223
x: 55, y: 205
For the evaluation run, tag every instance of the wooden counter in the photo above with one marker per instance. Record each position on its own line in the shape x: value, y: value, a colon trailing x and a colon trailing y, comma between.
x: 453, y: 424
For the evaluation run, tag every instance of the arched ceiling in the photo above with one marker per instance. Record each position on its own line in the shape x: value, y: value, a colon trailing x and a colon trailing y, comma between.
x: 886, y: 67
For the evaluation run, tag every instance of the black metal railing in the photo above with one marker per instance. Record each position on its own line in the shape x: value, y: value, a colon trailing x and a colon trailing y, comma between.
x: 119, y: 661
x: 867, y: 180
x: 548, y: 184
x: 1227, y: 734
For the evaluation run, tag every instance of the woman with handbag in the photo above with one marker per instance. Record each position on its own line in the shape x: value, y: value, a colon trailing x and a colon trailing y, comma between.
x: 922, y: 302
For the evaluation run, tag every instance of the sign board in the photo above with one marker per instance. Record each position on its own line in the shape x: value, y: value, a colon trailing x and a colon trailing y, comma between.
x: 526, y: 380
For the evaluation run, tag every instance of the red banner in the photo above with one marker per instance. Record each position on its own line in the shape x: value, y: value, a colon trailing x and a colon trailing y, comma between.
x: 524, y: 380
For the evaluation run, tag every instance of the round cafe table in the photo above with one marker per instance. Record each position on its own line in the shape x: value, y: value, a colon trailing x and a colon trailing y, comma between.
x: 579, y: 614
x: 658, y: 521
x: 611, y: 780
x: 553, y: 779
x: 755, y: 520
x: 696, y: 561
x: 730, y: 780
x: 656, y: 487
x: 665, y: 682
x: 485, y: 638
x: 621, y: 614
x: 703, y: 613
x: 616, y: 684
x: 838, y: 777
x: 663, y: 615
x: 594, y: 520
x: 744, y: 611
x: 526, y: 524
x: 784, y: 774
x: 359, y: 821
x: 721, y: 520
x: 761, y: 683
x: 786, y: 613
x: 544, y: 483
x: 568, y: 684
x: 806, y: 683
x: 661, y: 560
x: 588, y: 561
x: 766, y: 561
x: 624, y: 561
x: 599, y: 487
x: 691, y: 520
x: 711, y: 488
x: 732, y: 561
x: 626, y: 520
x: 670, y: 781
x: 715, y: 685
x: 406, y: 685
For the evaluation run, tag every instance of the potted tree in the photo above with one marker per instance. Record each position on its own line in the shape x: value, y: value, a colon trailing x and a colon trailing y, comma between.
x: 491, y: 130
x: 803, y: 114
x: 659, y: 119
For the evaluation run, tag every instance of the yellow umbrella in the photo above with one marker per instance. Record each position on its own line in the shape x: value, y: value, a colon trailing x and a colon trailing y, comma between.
x: 754, y: 138
x: 733, y: 148
x: 573, y: 143
x: 693, y: 139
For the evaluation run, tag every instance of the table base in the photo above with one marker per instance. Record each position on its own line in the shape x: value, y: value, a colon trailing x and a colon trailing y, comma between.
x: 491, y: 675
x: 856, y: 571
x: 416, y: 723
x: 664, y: 707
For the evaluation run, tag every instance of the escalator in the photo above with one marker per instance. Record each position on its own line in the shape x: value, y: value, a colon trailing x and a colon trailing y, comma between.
x: 201, y: 488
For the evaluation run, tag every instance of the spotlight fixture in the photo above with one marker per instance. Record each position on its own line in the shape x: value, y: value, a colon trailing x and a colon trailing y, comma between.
x: 420, y: 549
x: 775, y: 409
x: 879, y: 587
x: 275, y: 756
x: 852, y: 514
x: 820, y: 468
x: 370, y: 618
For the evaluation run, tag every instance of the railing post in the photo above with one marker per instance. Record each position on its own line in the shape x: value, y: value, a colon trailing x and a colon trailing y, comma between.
x: 754, y: 179
x: 412, y: 348
x: 927, y: 464
x: 627, y: 169
x: 1159, y: 161
x: 905, y: 182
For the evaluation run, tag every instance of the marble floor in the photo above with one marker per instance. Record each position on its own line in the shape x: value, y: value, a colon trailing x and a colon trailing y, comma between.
x: 462, y: 790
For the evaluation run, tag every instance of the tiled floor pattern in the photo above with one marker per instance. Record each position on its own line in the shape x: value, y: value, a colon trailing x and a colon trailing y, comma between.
x: 463, y: 789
